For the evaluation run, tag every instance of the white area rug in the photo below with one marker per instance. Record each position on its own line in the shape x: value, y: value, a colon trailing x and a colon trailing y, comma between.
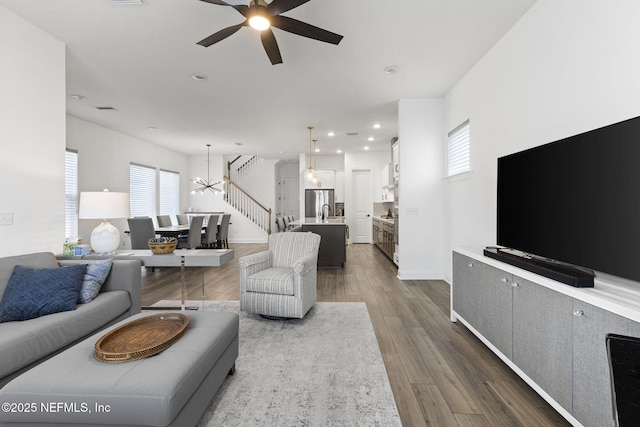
x: 323, y: 370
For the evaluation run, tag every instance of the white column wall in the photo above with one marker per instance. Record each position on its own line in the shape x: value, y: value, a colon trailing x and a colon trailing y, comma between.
x: 565, y: 68
x: 420, y: 213
x: 32, y: 137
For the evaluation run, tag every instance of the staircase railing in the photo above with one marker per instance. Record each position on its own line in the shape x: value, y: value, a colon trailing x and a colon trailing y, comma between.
x: 244, y: 203
x: 247, y: 163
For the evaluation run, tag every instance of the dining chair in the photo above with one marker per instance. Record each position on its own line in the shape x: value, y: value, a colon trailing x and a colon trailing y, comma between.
x: 280, y: 224
x: 223, y: 232
x: 210, y: 235
x: 182, y: 219
x: 141, y: 229
x: 285, y: 219
x: 194, y: 238
x: 164, y: 220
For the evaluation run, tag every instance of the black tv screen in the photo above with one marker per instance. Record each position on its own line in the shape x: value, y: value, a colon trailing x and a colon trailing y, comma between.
x: 576, y: 200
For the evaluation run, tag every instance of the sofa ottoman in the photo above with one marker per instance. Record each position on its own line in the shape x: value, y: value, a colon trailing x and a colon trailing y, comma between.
x: 172, y: 388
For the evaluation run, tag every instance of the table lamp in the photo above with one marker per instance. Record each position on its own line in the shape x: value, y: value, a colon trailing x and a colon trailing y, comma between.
x: 104, y: 205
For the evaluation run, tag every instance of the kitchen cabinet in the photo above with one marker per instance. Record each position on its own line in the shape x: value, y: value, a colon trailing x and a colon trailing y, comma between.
x: 333, y: 242
x: 386, y: 184
x: 395, y: 163
x: 546, y: 331
x: 339, y: 190
x: 383, y: 236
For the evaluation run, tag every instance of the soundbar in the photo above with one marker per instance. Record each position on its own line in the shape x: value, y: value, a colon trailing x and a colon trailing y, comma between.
x: 563, y: 273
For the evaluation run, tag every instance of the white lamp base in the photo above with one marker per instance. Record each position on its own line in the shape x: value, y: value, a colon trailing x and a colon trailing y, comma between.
x: 105, y: 238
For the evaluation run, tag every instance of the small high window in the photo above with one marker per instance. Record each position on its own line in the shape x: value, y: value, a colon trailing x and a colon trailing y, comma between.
x: 459, y: 150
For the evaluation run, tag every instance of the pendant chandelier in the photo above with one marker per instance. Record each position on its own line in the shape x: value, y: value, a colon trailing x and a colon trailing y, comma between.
x: 311, y: 174
x: 207, y: 184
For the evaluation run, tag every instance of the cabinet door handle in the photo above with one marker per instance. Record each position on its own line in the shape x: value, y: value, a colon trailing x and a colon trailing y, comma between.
x: 578, y: 312
x: 504, y: 280
x: 515, y: 284
x: 470, y: 265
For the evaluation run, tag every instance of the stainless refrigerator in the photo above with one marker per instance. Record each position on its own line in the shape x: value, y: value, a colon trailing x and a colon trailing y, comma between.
x: 314, y: 200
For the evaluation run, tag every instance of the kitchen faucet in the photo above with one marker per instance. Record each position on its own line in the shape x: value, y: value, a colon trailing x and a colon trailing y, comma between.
x: 328, y: 210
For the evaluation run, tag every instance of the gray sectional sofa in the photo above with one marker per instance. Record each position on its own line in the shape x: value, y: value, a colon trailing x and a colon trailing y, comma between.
x: 24, y: 344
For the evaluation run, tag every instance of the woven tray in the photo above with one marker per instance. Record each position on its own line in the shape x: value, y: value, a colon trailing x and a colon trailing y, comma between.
x: 163, y: 247
x: 141, y: 338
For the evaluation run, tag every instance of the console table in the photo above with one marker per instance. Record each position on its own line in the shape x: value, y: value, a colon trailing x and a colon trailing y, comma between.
x: 551, y: 334
x: 179, y: 258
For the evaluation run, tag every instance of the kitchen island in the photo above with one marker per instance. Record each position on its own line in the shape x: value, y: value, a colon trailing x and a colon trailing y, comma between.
x: 333, y: 233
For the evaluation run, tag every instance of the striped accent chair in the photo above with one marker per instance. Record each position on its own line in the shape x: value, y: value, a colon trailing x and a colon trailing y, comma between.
x: 281, y: 281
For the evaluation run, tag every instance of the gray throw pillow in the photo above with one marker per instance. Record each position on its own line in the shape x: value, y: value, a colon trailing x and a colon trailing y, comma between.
x: 32, y: 293
x: 94, y: 278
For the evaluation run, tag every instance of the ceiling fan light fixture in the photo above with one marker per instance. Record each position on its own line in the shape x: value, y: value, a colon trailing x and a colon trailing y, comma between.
x: 259, y: 22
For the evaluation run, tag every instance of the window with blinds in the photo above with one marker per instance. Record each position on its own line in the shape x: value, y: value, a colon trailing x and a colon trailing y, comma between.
x: 71, y: 194
x: 142, y: 190
x: 169, y: 192
x: 459, y: 150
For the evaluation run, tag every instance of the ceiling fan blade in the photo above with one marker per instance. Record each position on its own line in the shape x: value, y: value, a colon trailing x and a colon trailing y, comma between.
x: 271, y: 46
x: 305, y: 30
x: 277, y: 7
x: 220, y: 35
x: 242, y: 8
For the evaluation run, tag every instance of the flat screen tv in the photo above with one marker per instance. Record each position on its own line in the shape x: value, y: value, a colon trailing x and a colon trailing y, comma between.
x: 576, y: 200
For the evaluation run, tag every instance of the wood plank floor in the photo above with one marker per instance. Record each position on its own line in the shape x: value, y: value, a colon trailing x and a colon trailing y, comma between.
x: 440, y: 373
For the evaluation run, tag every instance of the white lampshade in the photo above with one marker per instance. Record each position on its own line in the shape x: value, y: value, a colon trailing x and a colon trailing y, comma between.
x: 105, y: 238
x: 103, y: 205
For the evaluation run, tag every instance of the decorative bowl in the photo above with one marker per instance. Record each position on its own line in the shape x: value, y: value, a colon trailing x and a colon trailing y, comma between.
x: 163, y: 245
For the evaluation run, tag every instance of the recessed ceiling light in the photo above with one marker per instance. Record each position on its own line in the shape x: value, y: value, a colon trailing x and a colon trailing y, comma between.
x: 106, y: 108
x: 366, y: 147
x: 391, y: 69
x: 338, y: 151
x: 199, y: 77
x: 376, y: 126
x: 317, y: 150
x: 152, y: 128
x: 331, y: 134
x: 238, y: 143
x: 370, y: 138
x: 78, y: 97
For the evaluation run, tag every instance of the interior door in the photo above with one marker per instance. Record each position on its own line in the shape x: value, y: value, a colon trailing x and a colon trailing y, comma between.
x: 361, y: 195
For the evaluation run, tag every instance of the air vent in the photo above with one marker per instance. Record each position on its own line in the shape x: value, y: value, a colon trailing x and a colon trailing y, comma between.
x: 127, y: 2
x: 106, y: 108
x: 352, y: 133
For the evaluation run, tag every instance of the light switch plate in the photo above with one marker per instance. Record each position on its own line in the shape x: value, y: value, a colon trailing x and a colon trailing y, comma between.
x: 6, y: 218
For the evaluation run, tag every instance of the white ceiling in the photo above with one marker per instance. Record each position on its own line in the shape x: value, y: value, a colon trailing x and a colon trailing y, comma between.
x: 140, y: 59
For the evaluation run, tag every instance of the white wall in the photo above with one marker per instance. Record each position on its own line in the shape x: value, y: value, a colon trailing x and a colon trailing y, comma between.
x: 565, y: 68
x: 32, y: 137
x: 103, y: 162
x: 420, y: 192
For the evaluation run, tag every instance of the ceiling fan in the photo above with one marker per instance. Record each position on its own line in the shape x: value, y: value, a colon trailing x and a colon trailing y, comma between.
x: 262, y: 15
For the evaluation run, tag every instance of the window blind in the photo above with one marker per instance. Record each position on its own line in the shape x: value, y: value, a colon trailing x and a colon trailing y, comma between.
x: 169, y: 192
x: 459, y: 150
x: 71, y: 194
x: 142, y: 190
